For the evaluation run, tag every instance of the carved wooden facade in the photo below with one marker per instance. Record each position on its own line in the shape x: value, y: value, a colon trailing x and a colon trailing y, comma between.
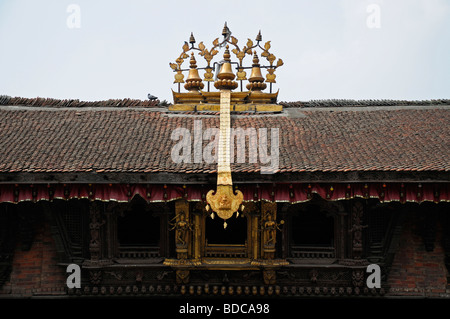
x: 265, y: 255
x: 317, y: 247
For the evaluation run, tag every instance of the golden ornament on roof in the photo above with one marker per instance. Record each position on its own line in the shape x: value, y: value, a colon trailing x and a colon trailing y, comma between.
x: 226, y: 74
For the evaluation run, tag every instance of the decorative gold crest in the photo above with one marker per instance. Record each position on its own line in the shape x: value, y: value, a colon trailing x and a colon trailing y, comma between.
x: 224, y: 201
x: 249, y: 49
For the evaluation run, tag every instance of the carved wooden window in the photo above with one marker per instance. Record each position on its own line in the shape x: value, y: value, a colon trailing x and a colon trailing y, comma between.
x: 71, y: 216
x: 72, y: 221
x: 380, y: 218
x: 312, y: 233
x: 229, y: 242
x: 139, y: 231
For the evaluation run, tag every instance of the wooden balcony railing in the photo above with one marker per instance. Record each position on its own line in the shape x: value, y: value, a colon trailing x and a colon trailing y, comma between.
x: 138, y: 252
x: 226, y: 250
x: 312, y: 252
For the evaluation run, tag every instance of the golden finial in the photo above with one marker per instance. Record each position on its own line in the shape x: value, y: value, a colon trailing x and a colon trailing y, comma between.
x: 193, y: 62
x: 193, y: 81
x: 192, y: 39
x: 259, y: 36
x: 226, y: 54
x: 225, y: 30
x: 255, y: 59
x: 226, y: 75
x: 256, y: 79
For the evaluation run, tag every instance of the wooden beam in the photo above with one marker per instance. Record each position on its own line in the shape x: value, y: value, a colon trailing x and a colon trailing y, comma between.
x: 210, y: 178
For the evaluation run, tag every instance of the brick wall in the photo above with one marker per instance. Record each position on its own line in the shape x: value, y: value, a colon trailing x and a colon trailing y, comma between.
x: 416, y: 271
x: 35, y: 272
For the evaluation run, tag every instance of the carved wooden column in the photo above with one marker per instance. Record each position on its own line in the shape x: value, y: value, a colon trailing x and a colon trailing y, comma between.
x: 164, y: 231
x: 183, y: 228
x: 111, y: 230
x: 198, y: 214
x: 356, y: 229
x: 251, y: 211
x: 95, y: 225
x: 285, y: 233
x: 269, y: 229
x: 254, y: 224
x: 340, y: 231
x: 181, y: 223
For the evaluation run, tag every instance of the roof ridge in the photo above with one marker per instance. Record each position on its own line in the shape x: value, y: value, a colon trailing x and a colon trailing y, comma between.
x: 361, y: 103
x: 57, y: 103
x: 127, y: 102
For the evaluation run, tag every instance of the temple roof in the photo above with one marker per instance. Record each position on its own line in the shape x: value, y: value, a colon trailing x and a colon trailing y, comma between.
x: 315, y: 137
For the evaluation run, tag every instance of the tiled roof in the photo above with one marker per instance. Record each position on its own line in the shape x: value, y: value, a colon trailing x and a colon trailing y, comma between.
x: 363, y: 103
x: 136, y: 139
x: 49, y: 102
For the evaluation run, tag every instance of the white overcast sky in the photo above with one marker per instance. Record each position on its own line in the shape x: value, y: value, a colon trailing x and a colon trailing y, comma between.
x: 123, y: 48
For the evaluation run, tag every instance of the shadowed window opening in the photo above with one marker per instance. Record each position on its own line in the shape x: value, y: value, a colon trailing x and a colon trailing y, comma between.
x: 313, y: 228
x: 312, y: 234
x: 235, y: 233
x: 139, y: 232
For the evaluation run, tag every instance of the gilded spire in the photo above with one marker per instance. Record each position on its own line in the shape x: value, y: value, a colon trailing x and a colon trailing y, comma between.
x: 226, y: 75
x: 256, y: 80
x: 225, y: 30
x: 231, y: 73
x: 192, y: 39
x: 259, y: 36
x: 193, y: 81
